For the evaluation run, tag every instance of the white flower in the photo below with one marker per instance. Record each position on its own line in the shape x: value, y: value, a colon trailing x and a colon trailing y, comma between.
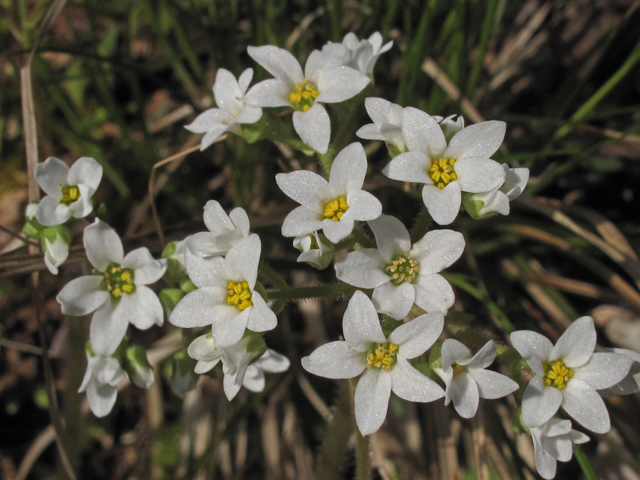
x: 568, y: 375
x: 325, y: 80
x: 226, y: 297
x: 387, y: 123
x: 332, y: 206
x: 402, y: 274
x: 224, y: 231
x: 231, y: 112
x: 315, y: 250
x: 552, y: 442
x: 100, y: 381
x: 55, y: 253
x: 116, y: 292
x: 69, y: 190
x: 385, y: 362
x: 364, y: 53
x: 467, y: 380
x: 497, y: 200
x: 447, y: 168
x: 630, y: 383
x: 238, y: 363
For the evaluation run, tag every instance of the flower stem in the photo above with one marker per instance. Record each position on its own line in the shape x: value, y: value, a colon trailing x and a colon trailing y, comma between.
x: 583, y: 460
x: 326, y: 160
x: 332, y: 453
x: 363, y: 470
x: 277, y: 280
x: 297, y: 293
x: 421, y: 227
x: 362, y: 239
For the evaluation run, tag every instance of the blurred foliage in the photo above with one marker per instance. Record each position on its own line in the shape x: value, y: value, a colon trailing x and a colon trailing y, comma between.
x: 117, y: 80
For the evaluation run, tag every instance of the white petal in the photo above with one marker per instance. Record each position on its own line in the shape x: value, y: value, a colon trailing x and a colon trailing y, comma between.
x: 603, y: 370
x: 539, y: 403
x: 108, y: 327
x: 242, y: 260
x: 483, y: 357
x: 103, y: 245
x: 314, y: 127
x: 392, y: 237
x: 478, y: 174
x: 479, y: 140
x: 240, y: 220
x: 216, y: 219
x: 212, y: 136
x: 198, y: 308
x: 262, y: 318
x: 418, y: 335
x: 395, y: 301
x: 422, y: 133
x: 409, y: 384
x: 204, y: 245
x: 361, y: 324
x: 433, y: 293
x: 515, y: 181
x: 273, y: 362
x: 533, y: 347
x: 82, y: 296
x: 301, y: 221
x: 378, y: 109
x: 82, y: 207
x: 269, y: 93
x: 491, y: 384
x: 245, y: 79
x: 362, y: 268
x: 206, y: 272
x: 372, y: 400
x: 453, y: 351
x: 545, y: 463
x: 278, y: 62
x: 85, y: 171
x: 146, y: 269
x: 409, y: 167
x: 210, y: 120
x: 370, y: 131
x: 335, y: 360
x: 229, y: 324
x: 142, y: 308
x: 48, y: 213
x: 101, y: 398
x: 336, y: 231
x: 464, y: 393
x: 585, y: 406
x: 576, y: 344
x: 307, y: 188
x: 51, y: 175
x: 348, y: 169
x: 231, y: 389
x: 443, y: 205
x: 247, y: 115
x: 254, y: 380
x: 363, y: 206
x: 337, y: 84
x: 226, y: 90
x: 437, y: 250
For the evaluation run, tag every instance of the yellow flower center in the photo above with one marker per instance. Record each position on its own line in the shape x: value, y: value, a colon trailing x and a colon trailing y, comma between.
x: 303, y: 95
x: 239, y: 295
x: 70, y: 193
x: 382, y: 355
x: 556, y: 374
x: 442, y: 172
x: 402, y: 269
x: 336, y: 209
x: 457, y: 368
x: 117, y: 280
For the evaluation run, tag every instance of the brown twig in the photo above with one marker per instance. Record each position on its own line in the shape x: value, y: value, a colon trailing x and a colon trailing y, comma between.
x: 19, y: 237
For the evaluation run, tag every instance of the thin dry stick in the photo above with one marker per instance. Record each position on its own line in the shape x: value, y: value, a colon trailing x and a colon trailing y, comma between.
x: 19, y: 237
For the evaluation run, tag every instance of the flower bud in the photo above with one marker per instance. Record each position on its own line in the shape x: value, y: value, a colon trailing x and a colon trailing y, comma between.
x: 55, y: 244
x: 316, y: 250
x: 137, y: 366
x: 183, y: 378
x: 169, y: 298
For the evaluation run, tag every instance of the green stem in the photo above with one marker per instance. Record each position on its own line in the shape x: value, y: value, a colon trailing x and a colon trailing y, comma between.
x: 298, y: 293
x: 277, y: 280
x: 326, y: 160
x: 583, y: 460
x: 362, y: 239
x: 333, y: 450
x: 363, y: 470
x: 343, y: 245
x: 421, y: 227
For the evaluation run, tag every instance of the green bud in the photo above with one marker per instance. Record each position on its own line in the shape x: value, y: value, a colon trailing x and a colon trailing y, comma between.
x: 52, y: 233
x: 473, y: 207
x: 517, y: 423
x: 30, y: 231
x: 253, y: 132
x: 169, y: 250
x: 89, y: 349
x: 137, y: 366
x: 393, y: 150
x: 435, y: 355
x: 183, y: 378
x: 389, y: 324
x: 169, y: 298
x: 187, y: 285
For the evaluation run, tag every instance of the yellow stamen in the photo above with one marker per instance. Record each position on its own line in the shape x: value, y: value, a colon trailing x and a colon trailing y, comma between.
x: 239, y: 295
x: 402, y: 269
x: 118, y: 280
x: 70, y: 193
x: 441, y: 171
x: 335, y: 209
x: 303, y: 95
x: 382, y: 356
x: 457, y: 368
x: 556, y: 374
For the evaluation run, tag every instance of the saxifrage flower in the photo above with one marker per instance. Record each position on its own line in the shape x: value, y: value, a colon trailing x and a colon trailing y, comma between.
x: 402, y: 274
x: 568, y: 375
x: 383, y: 362
x: 116, y: 291
x: 231, y: 112
x: 326, y: 79
x: 466, y: 378
x: 364, y: 53
x: 69, y: 190
x: 226, y: 297
x: 332, y: 206
x: 224, y: 231
x: 103, y: 375
x: 447, y: 168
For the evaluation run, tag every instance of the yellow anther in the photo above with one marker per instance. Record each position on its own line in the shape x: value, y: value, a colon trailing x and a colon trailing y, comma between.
x: 402, y: 269
x: 556, y: 374
x: 128, y: 288
x: 382, y: 356
x: 335, y: 209
x: 457, y: 368
x: 441, y: 171
x: 118, y: 280
x: 239, y: 295
x: 116, y: 292
x: 303, y: 95
x: 70, y: 193
x: 125, y: 275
